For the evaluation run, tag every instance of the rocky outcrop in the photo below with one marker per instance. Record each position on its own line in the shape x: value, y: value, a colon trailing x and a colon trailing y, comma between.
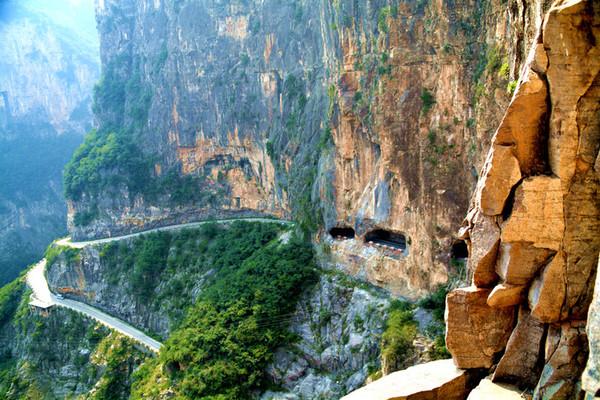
x: 434, y: 380
x: 375, y: 122
x: 472, y: 348
x: 339, y: 326
x: 497, y: 391
x: 534, y: 222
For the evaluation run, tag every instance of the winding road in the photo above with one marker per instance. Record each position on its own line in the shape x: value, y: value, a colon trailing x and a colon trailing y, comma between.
x: 43, y: 298
x: 78, y: 245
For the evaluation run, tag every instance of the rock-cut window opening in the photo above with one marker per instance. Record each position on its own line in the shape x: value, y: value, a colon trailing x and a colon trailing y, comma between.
x: 342, y: 233
x: 386, y: 239
x: 459, y: 250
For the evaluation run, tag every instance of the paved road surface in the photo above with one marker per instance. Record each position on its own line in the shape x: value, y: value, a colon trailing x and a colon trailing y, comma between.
x: 78, y: 245
x: 42, y: 297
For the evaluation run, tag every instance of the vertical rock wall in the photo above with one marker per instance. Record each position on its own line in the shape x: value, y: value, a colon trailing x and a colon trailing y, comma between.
x: 336, y: 114
x: 533, y: 228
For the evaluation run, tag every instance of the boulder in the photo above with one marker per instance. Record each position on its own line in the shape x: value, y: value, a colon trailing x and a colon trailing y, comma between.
x: 519, y: 262
x: 565, y: 354
x: 519, y: 364
x: 581, y: 241
x: 537, y: 214
x: 547, y: 292
x: 433, y: 380
x: 501, y: 173
x: 506, y: 295
x: 523, y: 124
x: 475, y: 332
x: 488, y: 390
x: 485, y: 239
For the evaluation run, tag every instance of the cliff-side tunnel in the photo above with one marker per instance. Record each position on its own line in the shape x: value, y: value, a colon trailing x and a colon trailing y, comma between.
x: 342, y: 233
x: 386, y: 239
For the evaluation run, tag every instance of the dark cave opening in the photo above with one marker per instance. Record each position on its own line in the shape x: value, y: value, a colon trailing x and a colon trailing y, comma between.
x: 386, y: 239
x: 459, y: 250
x: 342, y: 233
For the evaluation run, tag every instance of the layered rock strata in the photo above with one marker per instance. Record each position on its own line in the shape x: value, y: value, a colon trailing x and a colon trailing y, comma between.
x: 533, y: 228
x: 367, y: 115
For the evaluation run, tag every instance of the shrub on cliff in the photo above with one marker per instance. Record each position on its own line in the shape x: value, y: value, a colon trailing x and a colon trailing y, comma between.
x: 223, y: 346
x: 397, y: 340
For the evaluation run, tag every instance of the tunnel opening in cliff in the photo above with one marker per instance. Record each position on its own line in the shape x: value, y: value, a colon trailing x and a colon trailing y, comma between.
x: 459, y: 251
x: 342, y: 233
x: 386, y: 239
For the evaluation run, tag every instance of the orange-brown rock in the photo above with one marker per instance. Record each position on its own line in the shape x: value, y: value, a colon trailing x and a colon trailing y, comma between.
x: 571, y: 35
x: 519, y: 262
x: 581, y: 241
x: 547, y: 292
x: 537, y: 214
x: 550, y: 229
x: 506, y: 295
x: 501, y: 173
x: 565, y: 355
x: 485, y: 239
x: 519, y: 364
x: 475, y: 332
x: 522, y: 126
x: 433, y: 380
x: 488, y: 390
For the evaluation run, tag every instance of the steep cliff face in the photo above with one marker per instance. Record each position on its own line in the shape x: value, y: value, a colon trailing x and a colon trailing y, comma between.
x: 533, y: 226
x: 61, y: 354
x: 46, y: 79
x: 367, y: 116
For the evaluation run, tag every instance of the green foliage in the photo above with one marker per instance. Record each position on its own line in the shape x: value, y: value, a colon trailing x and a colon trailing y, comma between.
x: 399, y: 333
x: 149, y: 261
x: 511, y: 87
x: 95, y: 164
x: 382, y: 19
x: 270, y: 150
x: 53, y: 251
x: 178, y: 260
x: 228, y: 337
x: 494, y: 60
x: 118, y: 358
x: 83, y: 218
x: 427, y: 99
x: 10, y: 295
x: 504, y: 70
x: 436, y: 303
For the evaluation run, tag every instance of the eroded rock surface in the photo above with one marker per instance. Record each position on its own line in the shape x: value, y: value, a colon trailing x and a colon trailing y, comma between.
x: 434, y: 380
x: 536, y: 239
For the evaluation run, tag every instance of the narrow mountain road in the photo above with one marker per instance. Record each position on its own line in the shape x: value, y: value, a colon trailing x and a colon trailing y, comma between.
x: 78, y: 245
x: 42, y: 297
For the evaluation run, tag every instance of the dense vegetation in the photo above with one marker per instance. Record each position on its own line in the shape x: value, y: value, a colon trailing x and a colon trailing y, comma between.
x: 164, y: 269
x: 436, y: 303
x: 62, y: 356
x: 223, y: 346
x: 10, y: 295
x: 397, y: 340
